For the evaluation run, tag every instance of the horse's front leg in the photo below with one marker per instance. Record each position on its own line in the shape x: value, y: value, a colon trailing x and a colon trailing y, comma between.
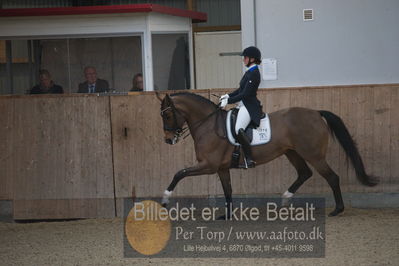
x: 199, y: 169
x: 225, y: 179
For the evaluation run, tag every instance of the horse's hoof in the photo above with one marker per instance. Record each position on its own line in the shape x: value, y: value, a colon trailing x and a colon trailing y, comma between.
x: 285, y: 202
x: 336, y: 212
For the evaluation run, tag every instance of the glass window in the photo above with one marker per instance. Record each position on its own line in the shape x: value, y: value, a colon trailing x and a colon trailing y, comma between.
x: 221, y: 13
x: 52, y: 55
x: 171, y: 61
x: 66, y: 3
x: 115, y: 61
x: 16, y: 66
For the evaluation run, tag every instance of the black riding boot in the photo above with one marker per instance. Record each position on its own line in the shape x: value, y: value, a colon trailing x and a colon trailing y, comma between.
x: 246, y: 146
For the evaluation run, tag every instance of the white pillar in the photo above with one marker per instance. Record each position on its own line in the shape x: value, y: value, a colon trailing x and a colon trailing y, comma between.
x: 147, y: 51
x: 191, y: 55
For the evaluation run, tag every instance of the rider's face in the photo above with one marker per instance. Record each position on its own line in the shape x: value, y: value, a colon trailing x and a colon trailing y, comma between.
x: 91, y: 75
x: 245, y: 60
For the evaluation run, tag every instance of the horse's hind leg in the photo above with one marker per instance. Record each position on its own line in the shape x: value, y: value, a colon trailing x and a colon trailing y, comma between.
x: 333, y: 180
x: 303, y: 170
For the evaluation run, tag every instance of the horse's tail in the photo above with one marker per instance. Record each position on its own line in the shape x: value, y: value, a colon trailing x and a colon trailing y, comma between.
x: 339, y: 130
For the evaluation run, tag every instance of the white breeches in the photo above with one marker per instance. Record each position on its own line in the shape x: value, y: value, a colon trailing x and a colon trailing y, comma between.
x: 243, y: 118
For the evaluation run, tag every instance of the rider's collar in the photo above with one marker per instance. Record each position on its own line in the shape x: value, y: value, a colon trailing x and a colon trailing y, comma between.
x: 252, y: 67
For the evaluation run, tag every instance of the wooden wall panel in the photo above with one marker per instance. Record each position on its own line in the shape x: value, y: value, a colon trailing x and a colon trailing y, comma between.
x: 382, y: 138
x: 394, y: 132
x: 360, y: 107
x: 6, y: 148
x: 142, y: 160
x: 58, y: 154
x: 63, y: 154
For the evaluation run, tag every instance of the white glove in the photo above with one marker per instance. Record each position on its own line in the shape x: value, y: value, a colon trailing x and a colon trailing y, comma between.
x: 223, y: 103
x: 225, y: 96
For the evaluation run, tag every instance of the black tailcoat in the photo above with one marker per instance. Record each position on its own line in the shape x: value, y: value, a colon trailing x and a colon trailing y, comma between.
x: 247, y: 94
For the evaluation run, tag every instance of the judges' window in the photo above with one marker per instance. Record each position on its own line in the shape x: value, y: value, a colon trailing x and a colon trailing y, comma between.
x: 115, y: 61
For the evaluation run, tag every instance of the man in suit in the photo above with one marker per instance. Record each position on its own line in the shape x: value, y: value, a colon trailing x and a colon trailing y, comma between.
x: 92, y: 83
x: 46, y: 84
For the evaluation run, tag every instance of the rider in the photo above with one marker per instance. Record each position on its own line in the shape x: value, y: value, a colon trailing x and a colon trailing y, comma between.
x: 250, y: 109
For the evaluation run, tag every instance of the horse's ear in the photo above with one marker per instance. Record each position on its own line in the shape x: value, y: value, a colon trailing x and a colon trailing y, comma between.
x: 167, y: 98
x: 158, y: 96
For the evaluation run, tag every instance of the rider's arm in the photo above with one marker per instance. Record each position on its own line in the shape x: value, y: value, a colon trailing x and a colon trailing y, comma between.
x: 234, y: 93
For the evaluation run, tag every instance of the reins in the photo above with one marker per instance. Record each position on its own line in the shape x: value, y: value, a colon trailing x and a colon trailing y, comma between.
x: 181, y: 131
x: 200, y: 122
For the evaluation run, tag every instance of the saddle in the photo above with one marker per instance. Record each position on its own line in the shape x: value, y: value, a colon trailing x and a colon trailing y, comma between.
x: 257, y: 135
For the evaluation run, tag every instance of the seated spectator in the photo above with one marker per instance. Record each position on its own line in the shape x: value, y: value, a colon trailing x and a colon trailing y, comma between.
x: 92, y: 83
x: 137, y: 82
x: 46, y: 85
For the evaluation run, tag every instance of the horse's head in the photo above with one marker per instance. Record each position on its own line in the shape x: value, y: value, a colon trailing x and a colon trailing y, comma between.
x: 173, y: 120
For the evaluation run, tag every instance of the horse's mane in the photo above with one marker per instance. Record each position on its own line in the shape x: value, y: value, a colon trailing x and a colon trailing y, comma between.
x: 196, y: 97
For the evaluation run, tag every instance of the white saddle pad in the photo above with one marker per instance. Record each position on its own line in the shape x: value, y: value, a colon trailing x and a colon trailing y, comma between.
x: 260, y: 135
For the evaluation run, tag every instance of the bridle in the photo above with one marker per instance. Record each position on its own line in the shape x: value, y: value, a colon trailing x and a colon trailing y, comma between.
x: 179, y: 131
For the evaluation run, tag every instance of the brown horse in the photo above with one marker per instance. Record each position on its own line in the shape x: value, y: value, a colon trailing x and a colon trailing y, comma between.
x: 300, y: 134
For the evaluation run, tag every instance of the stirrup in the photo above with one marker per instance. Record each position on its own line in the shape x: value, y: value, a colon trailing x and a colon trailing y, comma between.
x: 248, y: 163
